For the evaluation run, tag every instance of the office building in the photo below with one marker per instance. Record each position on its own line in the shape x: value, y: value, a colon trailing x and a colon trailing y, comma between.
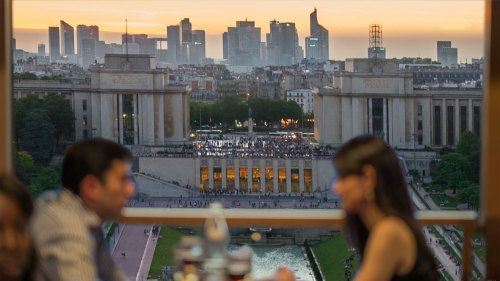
x: 447, y: 55
x: 197, y: 47
x: 67, y: 39
x: 282, y: 44
x: 317, y: 42
x: 87, y: 38
x: 186, y: 39
x: 41, y: 50
x: 224, y: 45
x: 173, y: 44
x: 243, y: 44
x: 138, y: 44
x: 54, y: 47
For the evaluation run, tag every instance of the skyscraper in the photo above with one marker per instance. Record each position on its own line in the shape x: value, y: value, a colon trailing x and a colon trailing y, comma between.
x: 243, y: 44
x: 282, y: 43
x: 446, y: 54
x: 224, y: 46
x: 67, y: 39
x: 41, y: 50
x: 186, y: 39
x: 54, y: 50
x: 173, y: 44
x: 138, y: 44
x: 86, y: 32
x: 317, y: 42
x: 197, y: 47
x: 86, y: 38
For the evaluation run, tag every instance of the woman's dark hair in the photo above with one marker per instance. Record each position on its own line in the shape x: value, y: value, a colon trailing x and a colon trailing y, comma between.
x: 90, y: 157
x: 391, y: 191
x: 16, y: 191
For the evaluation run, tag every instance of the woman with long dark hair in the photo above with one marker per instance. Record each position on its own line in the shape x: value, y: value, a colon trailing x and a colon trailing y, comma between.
x: 17, y: 255
x: 380, y: 221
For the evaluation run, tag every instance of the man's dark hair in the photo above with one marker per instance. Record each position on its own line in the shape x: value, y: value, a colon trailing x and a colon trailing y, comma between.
x: 90, y: 157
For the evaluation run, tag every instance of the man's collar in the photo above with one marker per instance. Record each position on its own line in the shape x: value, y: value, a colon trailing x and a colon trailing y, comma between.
x: 88, y: 216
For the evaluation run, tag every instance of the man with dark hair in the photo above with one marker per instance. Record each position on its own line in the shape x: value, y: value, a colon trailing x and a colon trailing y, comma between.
x: 66, y: 226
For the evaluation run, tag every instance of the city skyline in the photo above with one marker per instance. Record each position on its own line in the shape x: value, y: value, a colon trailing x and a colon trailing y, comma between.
x: 409, y: 29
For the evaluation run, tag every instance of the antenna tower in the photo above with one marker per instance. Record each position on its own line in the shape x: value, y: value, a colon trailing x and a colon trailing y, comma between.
x: 375, y: 36
x: 126, y: 38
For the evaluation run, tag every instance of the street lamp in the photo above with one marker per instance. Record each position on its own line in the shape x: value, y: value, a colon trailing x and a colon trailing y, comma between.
x: 414, y: 152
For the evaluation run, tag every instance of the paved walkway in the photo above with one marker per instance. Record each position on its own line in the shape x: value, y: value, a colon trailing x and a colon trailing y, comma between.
x: 130, y: 249
x: 147, y: 257
x: 433, y: 206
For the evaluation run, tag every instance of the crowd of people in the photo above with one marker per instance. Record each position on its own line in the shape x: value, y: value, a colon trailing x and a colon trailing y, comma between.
x: 266, y: 147
x: 348, y: 269
x: 289, y: 146
x: 271, y: 202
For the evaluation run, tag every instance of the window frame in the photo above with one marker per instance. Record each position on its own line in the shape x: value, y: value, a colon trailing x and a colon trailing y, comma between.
x: 489, y: 215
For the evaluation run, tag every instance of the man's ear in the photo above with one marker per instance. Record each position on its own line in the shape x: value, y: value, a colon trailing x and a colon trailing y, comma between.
x: 89, y: 187
x: 369, y: 177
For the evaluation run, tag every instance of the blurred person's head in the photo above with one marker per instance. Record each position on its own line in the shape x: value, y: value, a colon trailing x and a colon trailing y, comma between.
x: 98, y: 171
x: 17, y: 257
x: 369, y: 174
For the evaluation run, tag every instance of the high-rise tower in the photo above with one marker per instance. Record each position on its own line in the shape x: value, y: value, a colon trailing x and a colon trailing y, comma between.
x: 317, y: 43
x: 446, y: 54
x: 243, y: 44
x: 186, y: 39
x: 173, y: 45
x: 67, y: 39
x: 54, y: 50
x: 282, y: 43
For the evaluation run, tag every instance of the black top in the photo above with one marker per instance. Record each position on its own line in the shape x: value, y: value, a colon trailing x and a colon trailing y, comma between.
x: 424, y: 268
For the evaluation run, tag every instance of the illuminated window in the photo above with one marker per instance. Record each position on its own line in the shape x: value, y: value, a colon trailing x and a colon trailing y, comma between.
x: 282, y: 180
x: 269, y: 180
x: 217, y: 174
x: 204, y: 177
x: 230, y: 178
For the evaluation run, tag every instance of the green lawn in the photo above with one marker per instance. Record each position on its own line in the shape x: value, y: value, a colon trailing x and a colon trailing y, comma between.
x: 164, y: 253
x: 330, y: 254
x: 445, y: 200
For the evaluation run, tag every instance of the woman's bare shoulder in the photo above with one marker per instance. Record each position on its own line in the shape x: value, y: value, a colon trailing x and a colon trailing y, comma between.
x: 392, y: 225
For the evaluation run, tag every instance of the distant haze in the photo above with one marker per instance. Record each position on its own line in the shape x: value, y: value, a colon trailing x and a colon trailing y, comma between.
x: 410, y: 28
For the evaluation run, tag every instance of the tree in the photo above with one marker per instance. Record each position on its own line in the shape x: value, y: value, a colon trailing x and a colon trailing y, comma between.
x: 61, y: 115
x: 469, y: 195
x: 292, y: 110
x: 37, y: 136
x: 451, y: 170
x: 233, y: 109
x: 47, y: 178
x: 260, y: 109
x: 469, y: 145
x: 22, y: 107
x: 58, y: 108
x: 194, y: 109
x: 24, y: 76
x: 24, y: 166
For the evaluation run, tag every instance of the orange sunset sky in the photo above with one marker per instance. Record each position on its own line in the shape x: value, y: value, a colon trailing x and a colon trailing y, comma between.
x: 411, y: 28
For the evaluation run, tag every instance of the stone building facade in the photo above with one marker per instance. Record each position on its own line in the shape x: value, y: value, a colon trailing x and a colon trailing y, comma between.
x: 373, y: 98
x: 128, y: 101
x: 244, y: 174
